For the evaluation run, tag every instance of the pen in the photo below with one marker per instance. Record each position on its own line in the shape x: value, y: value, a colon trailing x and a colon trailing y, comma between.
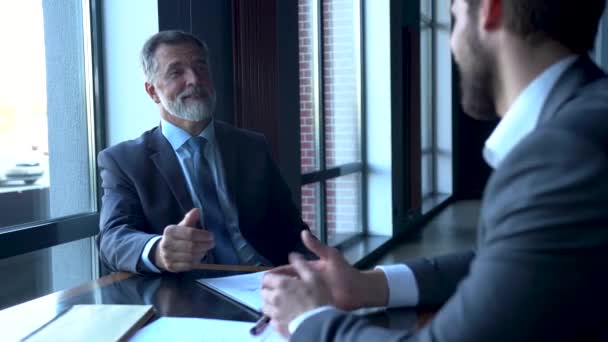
x: 260, y: 325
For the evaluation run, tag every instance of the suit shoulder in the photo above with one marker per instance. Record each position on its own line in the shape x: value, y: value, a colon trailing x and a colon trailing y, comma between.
x: 586, y: 115
x: 129, y: 147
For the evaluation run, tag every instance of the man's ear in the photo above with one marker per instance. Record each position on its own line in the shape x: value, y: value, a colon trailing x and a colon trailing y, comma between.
x: 491, y: 14
x: 151, y: 90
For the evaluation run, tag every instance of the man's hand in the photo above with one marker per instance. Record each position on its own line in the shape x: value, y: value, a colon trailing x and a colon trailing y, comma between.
x: 286, y: 297
x: 183, y: 245
x: 348, y: 288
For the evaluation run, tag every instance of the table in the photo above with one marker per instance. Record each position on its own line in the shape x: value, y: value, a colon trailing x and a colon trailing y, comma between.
x: 177, y: 295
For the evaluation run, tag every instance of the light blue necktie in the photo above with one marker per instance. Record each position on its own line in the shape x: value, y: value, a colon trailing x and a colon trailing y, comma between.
x: 213, y: 216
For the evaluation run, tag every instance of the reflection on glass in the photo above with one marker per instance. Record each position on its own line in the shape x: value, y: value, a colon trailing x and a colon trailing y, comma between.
x: 343, y: 207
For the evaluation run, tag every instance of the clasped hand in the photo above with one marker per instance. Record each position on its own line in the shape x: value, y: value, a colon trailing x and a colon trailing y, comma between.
x: 294, y: 289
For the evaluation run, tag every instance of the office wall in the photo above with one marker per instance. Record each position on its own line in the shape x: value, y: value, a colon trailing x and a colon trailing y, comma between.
x: 125, y: 27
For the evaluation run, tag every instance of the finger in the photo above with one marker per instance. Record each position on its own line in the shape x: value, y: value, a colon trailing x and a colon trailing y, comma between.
x: 173, y: 266
x: 171, y: 256
x: 268, y: 297
x: 191, y: 218
x: 314, y: 245
x: 305, y: 272
x: 286, y: 270
x: 274, y: 281
x: 189, y: 247
x: 188, y: 234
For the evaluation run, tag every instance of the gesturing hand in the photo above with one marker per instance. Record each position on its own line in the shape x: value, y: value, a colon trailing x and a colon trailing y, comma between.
x: 286, y: 297
x: 305, y: 285
x: 182, y: 246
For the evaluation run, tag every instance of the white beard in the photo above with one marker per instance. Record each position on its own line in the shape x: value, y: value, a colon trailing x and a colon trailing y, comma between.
x: 196, y: 111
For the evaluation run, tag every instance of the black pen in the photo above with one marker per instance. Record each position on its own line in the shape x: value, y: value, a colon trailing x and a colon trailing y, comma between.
x: 260, y: 325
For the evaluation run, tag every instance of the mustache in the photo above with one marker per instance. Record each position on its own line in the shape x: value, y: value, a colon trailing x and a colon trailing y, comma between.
x: 198, y: 91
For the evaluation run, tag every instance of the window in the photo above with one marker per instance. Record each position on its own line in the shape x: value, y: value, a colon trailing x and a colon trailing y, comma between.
x: 331, y: 118
x: 435, y: 102
x: 47, y: 146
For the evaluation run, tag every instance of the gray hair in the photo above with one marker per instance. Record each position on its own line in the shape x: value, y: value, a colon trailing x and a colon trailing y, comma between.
x: 170, y: 37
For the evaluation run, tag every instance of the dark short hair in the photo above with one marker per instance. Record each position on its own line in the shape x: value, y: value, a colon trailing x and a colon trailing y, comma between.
x: 169, y: 37
x: 573, y: 23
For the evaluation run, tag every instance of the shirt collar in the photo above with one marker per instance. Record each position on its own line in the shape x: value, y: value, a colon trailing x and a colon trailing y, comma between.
x: 177, y: 136
x: 522, y: 116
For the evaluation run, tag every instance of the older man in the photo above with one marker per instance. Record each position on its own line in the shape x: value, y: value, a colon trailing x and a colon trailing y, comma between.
x: 193, y: 189
x: 539, y: 272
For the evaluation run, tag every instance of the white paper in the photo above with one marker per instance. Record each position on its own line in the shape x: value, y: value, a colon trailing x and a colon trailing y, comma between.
x: 243, y: 288
x: 201, y: 330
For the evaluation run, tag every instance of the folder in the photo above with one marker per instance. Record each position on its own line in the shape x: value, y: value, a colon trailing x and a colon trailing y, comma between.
x: 93, y: 323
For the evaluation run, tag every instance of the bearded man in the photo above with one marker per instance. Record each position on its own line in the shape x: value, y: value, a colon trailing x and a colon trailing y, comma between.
x: 539, y: 270
x: 192, y: 190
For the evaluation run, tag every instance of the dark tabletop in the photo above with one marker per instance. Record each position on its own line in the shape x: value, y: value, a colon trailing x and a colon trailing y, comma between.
x: 171, y: 295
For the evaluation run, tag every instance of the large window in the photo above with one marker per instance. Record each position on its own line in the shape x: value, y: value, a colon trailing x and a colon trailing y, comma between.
x: 331, y: 118
x: 47, y: 149
x: 435, y: 102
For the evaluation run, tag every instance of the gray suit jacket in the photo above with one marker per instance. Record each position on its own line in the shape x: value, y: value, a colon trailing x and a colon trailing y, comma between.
x: 540, y: 271
x: 144, y: 190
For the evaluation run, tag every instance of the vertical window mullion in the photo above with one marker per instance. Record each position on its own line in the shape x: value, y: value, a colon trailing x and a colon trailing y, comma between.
x: 361, y: 112
x: 320, y: 111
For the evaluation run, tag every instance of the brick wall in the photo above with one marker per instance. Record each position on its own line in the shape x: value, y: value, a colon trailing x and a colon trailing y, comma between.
x: 341, y: 114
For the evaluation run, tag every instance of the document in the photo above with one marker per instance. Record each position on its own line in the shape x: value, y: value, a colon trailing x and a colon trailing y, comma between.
x: 201, y: 330
x: 242, y: 288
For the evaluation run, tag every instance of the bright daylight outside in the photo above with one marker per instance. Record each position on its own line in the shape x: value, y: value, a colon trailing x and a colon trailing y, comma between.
x: 23, y: 113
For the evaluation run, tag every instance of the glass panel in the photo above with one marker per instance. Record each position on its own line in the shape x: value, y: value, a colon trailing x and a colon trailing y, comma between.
x: 341, y: 34
x: 443, y: 114
x: 45, y: 168
x: 311, y: 207
x: 436, y: 106
x: 443, y: 12
x: 343, y: 207
x: 426, y: 10
x: 426, y: 112
x: 309, y: 126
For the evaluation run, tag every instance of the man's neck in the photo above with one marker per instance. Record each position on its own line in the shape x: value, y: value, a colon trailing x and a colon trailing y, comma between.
x: 193, y: 127
x: 519, y: 64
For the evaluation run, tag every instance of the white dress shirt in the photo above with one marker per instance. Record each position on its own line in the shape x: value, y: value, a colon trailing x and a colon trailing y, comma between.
x: 177, y: 137
x: 519, y: 121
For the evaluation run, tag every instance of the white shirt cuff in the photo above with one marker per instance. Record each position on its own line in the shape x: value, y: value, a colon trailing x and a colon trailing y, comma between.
x: 145, y: 255
x: 402, y: 286
x: 295, y: 323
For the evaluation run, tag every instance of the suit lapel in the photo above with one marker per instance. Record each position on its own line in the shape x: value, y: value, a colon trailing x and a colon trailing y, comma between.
x: 166, y: 162
x: 228, y: 152
x: 582, y: 72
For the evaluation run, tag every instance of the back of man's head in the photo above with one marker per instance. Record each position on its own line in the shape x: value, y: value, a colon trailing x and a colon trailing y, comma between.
x: 572, y: 23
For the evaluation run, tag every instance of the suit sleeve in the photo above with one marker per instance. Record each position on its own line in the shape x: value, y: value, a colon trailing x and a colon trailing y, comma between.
x: 121, y: 239
x: 541, y: 263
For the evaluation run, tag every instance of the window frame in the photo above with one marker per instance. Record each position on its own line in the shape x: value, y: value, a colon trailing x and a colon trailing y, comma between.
x: 323, y: 174
x: 32, y: 236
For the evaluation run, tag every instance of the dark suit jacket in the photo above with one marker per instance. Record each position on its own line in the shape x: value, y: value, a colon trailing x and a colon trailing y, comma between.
x: 144, y: 190
x: 540, y: 271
